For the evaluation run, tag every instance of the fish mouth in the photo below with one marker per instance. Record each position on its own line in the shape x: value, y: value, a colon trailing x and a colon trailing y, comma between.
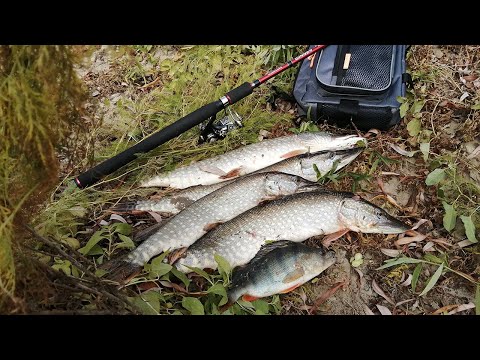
x: 310, y: 187
x: 350, y: 141
x: 345, y: 157
x: 392, y: 226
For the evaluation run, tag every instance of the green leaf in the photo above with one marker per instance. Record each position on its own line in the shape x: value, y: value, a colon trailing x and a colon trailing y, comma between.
x: 469, y: 228
x: 450, y: 217
x: 435, y: 177
x: 476, y: 107
x: 126, y: 242
x: 477, y: 301
x: 433, y: 280
x: 121, y: 228
x: 96, y: 250
x: 261, y: 307
x: 425, y: 149
x: 415, y: 276
x: 158, y: 268
x: 201, y: 273
x: 96, y: 238
x: 403, y: 109
x: 414, y: 126
x: 181, y: 276
x: 417, y: 106
x: 223, y: 265
x: 401, y: 99
x: 399, y: 261
x: 148, y: 302
x: 193, y: 305
x: 433, y: 259
x: 219, y: 289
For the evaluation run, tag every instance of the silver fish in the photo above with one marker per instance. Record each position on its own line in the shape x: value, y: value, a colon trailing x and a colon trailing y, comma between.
x: 250, y: 158
x: 294, y: 217
x: 170, y: 204
x: 301, y: 165
x: 197, y: 219
x: 278, y: 268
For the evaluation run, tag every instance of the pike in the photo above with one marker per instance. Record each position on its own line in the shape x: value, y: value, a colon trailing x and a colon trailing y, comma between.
x: 250, y: 158
x: 295, y: 217
x: 278, y: 268
x: 301, y: 165
x: 205, y: 214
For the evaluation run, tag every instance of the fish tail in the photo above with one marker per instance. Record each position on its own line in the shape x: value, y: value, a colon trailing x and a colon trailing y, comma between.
x: 126, y: 207
x: 121, y: 270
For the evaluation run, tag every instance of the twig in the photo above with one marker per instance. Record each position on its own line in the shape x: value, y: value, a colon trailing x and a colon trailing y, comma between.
x: 60, y: 250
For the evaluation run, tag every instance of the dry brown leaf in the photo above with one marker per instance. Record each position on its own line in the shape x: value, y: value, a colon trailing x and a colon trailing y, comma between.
x: 401, y: 151
x: 444, y: 308
x: 118, y: 217
x: 380, y: 292
x: 403, y: 302
x: 390, y: 252
x: 367, y: 310
x: 464, y: 243
x: 383, y: 310
x: 429, y: 246
x: 389, y: 173
x: 156, y: 216
x: 462, y: 307
x: 408, y: 281
x: 409, y: 239
x: 327, y: 294
x: 474, y: 153
x: 419, y: 223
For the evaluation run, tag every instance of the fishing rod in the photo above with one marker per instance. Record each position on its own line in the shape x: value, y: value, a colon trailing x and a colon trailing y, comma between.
x: 108, y: 166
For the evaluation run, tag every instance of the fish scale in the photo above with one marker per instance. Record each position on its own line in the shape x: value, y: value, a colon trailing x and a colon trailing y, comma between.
x: 295, y: 217
x: 250, y: 158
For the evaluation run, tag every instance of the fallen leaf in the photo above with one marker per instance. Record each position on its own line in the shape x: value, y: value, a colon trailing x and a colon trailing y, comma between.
x: 403, y: 302
x: 383, y: 310
x: 408, y: 281
x: 410, y: 239
x: 156, y: 216
x: 390, y: 252
x: 104, y: 223
x: 428, y: 246
x: 464, y: 243
x: 401, y: 151
x: 463, y: 307
x: 437, y: 53
x: 419, y: 223
x: 118, y: 217
x: 360, y: 276
x: 474, y: 153
x: 380, y: 292
x: 367, y: 310
x: 327, y: 294
x: 389, y: 173
x: 444, y: 308
x: 464, y: 96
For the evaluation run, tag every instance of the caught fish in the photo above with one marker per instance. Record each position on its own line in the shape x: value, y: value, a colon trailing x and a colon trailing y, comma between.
x: 170, y: 204
x: 205, y: 214
x: 278, y: 268
x: 295, y: 217
x: 301, y: 165
x: 250, y: 158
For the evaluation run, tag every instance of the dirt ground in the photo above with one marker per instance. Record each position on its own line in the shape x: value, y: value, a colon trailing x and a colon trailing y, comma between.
x: 448, y: 85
